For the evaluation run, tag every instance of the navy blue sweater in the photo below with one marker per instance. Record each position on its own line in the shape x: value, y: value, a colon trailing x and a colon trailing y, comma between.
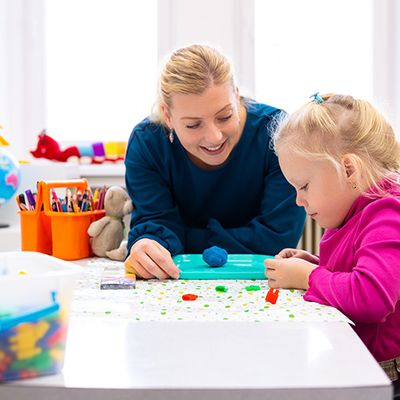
x: 244, y: 206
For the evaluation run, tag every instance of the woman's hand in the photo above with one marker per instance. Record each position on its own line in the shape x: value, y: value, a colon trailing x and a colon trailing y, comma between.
x: 148, y: 259
x: 304, y: 255
x: 288, y: 273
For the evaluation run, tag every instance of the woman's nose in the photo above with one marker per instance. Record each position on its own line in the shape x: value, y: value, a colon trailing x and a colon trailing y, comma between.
x: 213, y: 135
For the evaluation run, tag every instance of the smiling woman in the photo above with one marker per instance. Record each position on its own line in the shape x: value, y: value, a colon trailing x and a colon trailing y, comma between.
x: 201, y: 172
x: 207, y: 125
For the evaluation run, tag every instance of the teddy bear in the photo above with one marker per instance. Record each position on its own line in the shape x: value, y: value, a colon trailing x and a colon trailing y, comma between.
x: 107, y: 234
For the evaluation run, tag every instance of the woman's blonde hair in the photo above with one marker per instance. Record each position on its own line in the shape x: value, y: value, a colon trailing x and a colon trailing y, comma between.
x: 342, y: 125
x: 190, y: 70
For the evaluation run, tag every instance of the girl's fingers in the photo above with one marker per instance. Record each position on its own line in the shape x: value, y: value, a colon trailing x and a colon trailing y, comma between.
x: 271, y: 263
x: 286, y: 253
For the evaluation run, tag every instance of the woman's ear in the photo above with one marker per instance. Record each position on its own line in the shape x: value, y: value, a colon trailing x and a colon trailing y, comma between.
x: 166, y: 115
x: 237, y: 94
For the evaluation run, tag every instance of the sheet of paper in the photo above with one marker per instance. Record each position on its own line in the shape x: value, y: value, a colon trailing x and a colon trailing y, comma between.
x: 162, y: 300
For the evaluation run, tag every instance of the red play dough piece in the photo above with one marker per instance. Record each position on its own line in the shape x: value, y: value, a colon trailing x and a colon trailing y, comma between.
x: 189, y: 297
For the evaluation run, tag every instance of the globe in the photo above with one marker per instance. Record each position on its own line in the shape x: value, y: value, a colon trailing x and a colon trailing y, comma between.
x: 10, y: 177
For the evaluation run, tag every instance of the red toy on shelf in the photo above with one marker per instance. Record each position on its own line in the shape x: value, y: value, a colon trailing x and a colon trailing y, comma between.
x: 97, y: 153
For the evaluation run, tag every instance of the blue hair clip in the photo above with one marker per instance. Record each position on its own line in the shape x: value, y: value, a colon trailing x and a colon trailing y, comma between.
x: 316, y: 97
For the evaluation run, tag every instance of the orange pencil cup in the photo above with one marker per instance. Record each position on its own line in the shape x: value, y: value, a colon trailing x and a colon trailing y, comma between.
x: 69, y: 233
x: 61, y: 234
x: 36, y: 228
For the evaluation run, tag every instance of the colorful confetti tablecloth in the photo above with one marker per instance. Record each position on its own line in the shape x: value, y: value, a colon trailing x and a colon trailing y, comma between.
x: 153, y: 300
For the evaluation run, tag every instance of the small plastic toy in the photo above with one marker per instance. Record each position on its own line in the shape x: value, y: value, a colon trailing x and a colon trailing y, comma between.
x: 272, y: 296
x: 215, y: 256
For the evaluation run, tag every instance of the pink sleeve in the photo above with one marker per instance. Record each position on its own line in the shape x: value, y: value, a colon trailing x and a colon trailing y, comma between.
x: 371, y: 290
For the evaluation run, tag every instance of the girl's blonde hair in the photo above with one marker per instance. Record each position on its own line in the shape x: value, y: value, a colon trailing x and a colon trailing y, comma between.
x: 190, y: 70
x: 343, y: 125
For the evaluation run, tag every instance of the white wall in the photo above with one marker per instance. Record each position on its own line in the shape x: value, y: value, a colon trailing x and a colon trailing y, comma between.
x: 224, y: 24
x: 387, y: 59
x: 22, y: 75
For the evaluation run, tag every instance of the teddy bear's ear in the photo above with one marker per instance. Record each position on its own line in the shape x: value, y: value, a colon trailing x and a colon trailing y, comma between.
x: 128, y: 207
x: 110, y: 194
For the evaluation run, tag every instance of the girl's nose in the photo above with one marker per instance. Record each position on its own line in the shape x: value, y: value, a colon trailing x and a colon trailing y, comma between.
x: 300, y: 200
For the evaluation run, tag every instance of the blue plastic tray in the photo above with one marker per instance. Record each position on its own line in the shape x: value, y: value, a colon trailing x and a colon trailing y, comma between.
x: 239, y: 266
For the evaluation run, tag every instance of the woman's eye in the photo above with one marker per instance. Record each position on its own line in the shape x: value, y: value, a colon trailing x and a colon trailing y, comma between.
x: 226, y: 118
x: 305, y: 187
x: 194, y: 126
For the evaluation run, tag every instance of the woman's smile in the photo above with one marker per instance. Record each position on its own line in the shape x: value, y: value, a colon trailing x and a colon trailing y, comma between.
x: 214, y: 150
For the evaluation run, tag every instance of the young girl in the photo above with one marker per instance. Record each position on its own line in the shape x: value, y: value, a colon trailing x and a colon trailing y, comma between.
x: 342, y: 157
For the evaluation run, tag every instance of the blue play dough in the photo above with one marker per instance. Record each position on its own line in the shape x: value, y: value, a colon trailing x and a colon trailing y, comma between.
x: 215, y: 256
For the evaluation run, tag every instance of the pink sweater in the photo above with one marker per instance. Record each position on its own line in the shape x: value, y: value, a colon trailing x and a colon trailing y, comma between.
x: 359, y: 272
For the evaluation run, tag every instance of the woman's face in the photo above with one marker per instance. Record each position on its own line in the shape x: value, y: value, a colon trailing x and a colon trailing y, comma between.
x: 208, y: 125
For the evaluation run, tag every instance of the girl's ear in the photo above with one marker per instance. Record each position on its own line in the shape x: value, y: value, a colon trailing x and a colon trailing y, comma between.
x: 166, y: 115
x: 352, y: 166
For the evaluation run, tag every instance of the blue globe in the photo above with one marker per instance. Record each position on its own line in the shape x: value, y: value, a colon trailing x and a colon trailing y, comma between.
x: 10, y: 176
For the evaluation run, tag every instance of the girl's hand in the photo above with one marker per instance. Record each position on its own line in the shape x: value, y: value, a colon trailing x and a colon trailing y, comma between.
x: 288, y: 273
x: 304, y: 255
x: 148, y: 259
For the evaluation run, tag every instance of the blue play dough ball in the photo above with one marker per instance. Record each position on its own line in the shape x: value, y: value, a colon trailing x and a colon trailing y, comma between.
x: 215, y: 256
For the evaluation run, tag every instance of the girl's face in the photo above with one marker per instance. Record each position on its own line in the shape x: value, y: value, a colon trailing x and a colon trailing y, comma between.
x: 208, y: 125
x: 325, y: 194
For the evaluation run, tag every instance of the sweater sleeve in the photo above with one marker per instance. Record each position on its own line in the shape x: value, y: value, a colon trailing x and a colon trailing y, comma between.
x: 370, y: 291
x: 279, y: 224
x: 155, y: 215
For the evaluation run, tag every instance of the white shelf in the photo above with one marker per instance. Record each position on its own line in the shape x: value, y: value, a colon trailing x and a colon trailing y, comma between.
x: 102, y: 170
x: 10, y: 238
x: 103, y: 174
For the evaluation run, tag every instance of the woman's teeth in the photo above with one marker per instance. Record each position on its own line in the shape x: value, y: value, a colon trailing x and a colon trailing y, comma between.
x: 213, y: 148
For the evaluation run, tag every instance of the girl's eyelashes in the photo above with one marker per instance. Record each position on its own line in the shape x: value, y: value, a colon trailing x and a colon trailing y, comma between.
x: 305, y: 187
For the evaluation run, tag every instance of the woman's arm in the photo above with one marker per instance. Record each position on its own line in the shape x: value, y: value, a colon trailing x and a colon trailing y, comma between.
x: 155, y: 215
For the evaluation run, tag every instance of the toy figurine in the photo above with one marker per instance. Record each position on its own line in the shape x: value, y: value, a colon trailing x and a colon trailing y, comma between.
x: 97, y: 153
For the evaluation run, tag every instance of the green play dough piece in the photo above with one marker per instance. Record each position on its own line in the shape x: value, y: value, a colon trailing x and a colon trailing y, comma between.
x: 252, y: 288
x: 221, y: 288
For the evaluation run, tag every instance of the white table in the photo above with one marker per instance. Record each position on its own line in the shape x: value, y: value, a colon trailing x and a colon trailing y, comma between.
x: 112, y: 358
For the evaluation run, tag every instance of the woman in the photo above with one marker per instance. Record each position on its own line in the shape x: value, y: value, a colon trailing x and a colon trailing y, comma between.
x: 201, y: 172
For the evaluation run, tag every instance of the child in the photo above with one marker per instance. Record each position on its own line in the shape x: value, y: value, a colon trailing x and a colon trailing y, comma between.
x: 343, y: 158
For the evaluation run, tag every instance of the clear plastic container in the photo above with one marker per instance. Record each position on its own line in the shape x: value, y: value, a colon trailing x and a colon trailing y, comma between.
x: 35, y: 297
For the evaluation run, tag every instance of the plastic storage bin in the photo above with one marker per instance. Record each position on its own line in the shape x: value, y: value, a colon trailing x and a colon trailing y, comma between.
x: 61, y: 234
x: 35, y: 297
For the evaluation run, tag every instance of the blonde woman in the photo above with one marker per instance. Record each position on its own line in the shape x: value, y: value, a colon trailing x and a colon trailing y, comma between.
x: 343, y: 159
x: 201, y: 171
